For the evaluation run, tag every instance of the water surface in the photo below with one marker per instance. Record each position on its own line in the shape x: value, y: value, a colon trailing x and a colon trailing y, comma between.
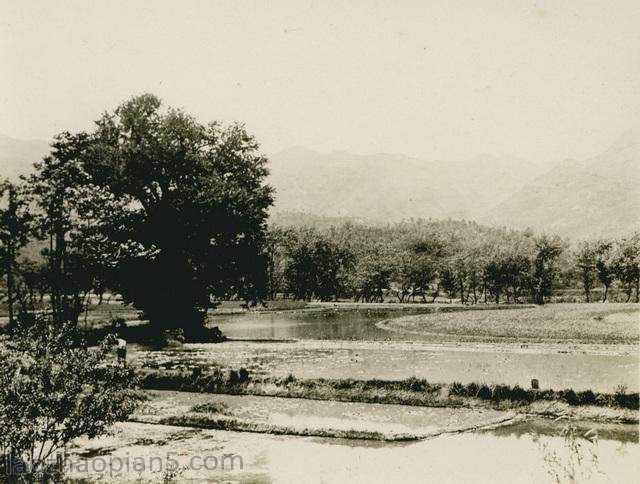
x: 475, y: 457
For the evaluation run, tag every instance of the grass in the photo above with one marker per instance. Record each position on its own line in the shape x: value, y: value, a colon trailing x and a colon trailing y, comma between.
x: 284, y: 305
x: 412, y: 391
x: 565, y: 323
x: 213, y: 422
x: 211, y: 407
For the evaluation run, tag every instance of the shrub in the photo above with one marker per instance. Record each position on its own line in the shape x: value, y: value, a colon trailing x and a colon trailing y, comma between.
x: 500, y: 392
x: 457, y: 388
x: 345, y: 384
x: 568, y: 396
x: 211, y: 407
x: 587, y: 398
x: 232, y: 378
x: 52, y: 392
x: 289, y: 379
x: 484, y: 392
x: 377, y: 384
x: 544, y: 394
x: 417, y: 385
x: 519, y: 394
x: 243, y: 374
x: 472, y: 389
x: 623, y: 399
x: 604, y: 399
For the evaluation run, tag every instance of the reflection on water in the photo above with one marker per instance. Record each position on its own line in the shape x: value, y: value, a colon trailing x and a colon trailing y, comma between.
x: 555, y: 369
x: 326, y: 324
x: 491, y: 457
x: 453, y: 458
x: 624, y: 433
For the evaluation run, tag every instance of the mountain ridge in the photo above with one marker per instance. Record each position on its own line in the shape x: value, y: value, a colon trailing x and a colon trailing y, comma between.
x: 595, y: 197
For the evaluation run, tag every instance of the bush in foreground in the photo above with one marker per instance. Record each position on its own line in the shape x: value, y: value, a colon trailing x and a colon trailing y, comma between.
x: 53, y: 391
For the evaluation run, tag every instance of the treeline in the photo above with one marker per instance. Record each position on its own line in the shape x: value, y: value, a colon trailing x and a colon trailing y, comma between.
x: 425, y: 260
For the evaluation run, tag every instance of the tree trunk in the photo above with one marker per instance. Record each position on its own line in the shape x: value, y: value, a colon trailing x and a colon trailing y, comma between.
x: 606, y: 290
x: 10, y: 284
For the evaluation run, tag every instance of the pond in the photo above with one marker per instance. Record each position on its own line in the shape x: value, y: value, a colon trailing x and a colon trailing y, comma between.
x: 328, y: 324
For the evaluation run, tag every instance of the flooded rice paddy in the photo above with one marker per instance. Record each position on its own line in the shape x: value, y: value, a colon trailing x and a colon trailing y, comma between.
x: 527, y: 455
x: 351, y: 344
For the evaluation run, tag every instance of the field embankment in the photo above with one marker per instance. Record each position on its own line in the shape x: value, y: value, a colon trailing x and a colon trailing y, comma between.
x: 303, y: 417
x: 620, y: 405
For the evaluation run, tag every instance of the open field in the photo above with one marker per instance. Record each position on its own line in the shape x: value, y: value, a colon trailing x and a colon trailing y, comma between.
x: 563, y: 323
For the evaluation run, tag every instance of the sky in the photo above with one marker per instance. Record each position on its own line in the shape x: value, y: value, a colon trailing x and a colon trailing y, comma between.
x: 432, y: 79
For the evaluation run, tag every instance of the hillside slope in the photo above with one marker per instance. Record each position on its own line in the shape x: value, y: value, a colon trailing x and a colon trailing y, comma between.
x: 388, y: 188
x: 17, y: 156
x: 598, y: 197
x: 582, y: 199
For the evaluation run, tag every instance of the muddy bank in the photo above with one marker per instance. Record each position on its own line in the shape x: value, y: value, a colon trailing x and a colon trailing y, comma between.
x: 291, y: 416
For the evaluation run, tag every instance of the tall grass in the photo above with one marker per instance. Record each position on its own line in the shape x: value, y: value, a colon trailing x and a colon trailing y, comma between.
x: 411, y: 391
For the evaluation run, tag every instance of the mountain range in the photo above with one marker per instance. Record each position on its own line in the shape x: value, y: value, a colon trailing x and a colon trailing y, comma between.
x: 17, y: 156
x: 597, y: 197
x: 389, y: 188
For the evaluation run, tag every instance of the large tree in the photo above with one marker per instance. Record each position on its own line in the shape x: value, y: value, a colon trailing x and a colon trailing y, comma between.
x: 313, y: 267
x: 15, y: 224
x: 74, y: 216
x: 604, y: 265
x: 586, y: 260
x: 201, y: 208
x: 548, y: 249
x: 626, y: 265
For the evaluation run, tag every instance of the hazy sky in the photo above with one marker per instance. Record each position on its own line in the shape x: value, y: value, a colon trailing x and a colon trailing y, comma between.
x: 434, y: 79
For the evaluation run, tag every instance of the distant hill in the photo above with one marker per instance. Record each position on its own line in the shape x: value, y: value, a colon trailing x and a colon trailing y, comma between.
x: 388, y: 188
x: 598, y: 197
x: 580, y: 199
x: 18, y: 156
x: 302, y: 219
